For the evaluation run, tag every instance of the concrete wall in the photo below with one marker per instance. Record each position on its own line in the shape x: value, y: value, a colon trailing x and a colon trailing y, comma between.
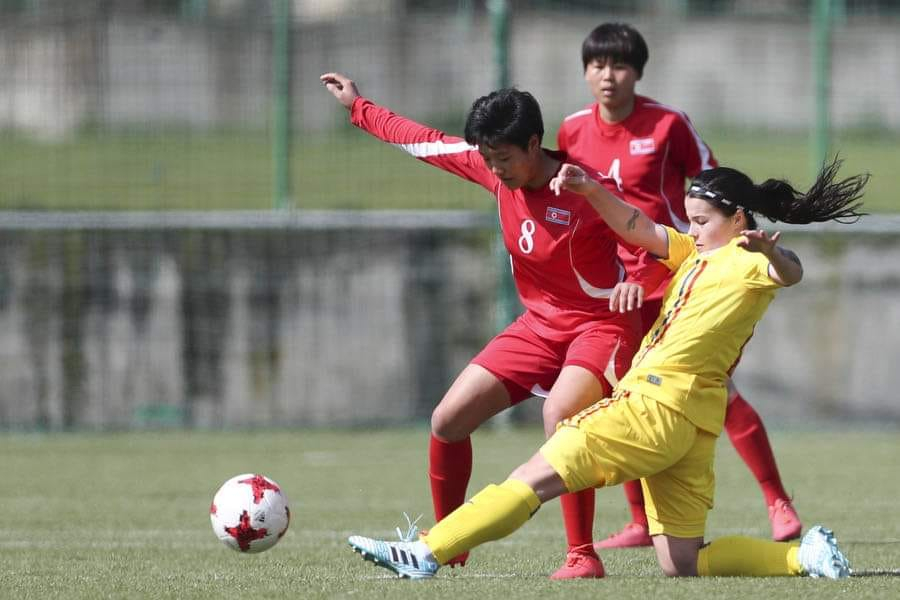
x: 151, y: 72
x: 122, y: 326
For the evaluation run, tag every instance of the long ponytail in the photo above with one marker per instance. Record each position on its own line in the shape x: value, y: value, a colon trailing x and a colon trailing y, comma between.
x: 826, y: 200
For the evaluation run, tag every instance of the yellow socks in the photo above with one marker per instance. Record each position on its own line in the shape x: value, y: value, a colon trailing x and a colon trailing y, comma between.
x: 748, y: 557
x: 493, y: 513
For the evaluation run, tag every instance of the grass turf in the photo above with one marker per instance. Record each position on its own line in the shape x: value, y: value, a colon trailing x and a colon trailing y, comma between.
x: 125, y: 515
x: 181, y: 170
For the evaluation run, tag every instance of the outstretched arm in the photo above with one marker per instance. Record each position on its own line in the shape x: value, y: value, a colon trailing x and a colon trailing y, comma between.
x: 784, y: 266
x: 630, y: 223
x: 341, y: 87
x: 427, y: 144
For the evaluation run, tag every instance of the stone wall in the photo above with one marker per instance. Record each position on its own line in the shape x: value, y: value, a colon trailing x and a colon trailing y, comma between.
x: 296, y: 325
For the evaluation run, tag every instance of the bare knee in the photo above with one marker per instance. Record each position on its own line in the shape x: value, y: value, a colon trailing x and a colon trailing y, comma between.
x: 677, y: 557
x: 551, y: 415
x: 446, y: 425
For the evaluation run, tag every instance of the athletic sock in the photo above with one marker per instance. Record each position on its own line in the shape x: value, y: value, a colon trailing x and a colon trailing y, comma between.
x: 749, y: 437
x: 739, y: 556
x: 635, y: 496
x: 449, y: 469
x: 493, y: 513
x: 578, y: 516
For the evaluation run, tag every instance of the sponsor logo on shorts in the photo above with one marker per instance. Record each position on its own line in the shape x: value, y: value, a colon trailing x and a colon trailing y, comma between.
x: 558, y: 215
x: 642, y: 146
x: 654, y: 379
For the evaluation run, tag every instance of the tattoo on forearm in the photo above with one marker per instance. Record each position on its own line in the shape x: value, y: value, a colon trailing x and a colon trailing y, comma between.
x: 633, y: 220
x: 790, y: 255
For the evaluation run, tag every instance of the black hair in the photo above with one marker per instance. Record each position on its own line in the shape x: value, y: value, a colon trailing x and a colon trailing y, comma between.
x: 827, y: 200
x: 507, y: 116
x: 617, y: 41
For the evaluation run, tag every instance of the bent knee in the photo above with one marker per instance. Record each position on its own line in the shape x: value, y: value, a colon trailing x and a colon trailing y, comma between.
x: 447, y: 426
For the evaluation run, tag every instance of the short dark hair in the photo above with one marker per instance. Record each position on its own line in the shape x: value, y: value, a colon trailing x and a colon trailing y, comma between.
x: 617, y: 41
x: 507, y: 116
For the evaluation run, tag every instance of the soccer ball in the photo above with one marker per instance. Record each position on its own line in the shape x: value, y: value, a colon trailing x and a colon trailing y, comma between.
x: 249, y: 513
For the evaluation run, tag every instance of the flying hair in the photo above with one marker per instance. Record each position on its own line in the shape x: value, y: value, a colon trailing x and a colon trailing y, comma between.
x: 776, y: 199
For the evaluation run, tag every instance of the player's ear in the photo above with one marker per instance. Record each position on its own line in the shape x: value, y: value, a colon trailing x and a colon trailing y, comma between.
x: 534, y: 143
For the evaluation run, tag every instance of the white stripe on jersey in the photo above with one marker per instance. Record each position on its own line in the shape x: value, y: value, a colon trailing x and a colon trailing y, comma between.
x: 580, y: 113
x: 426, y: 149
x: 610, y: 372
x: 678, y: 223
x: 701, y: 146
x: 586, y: 287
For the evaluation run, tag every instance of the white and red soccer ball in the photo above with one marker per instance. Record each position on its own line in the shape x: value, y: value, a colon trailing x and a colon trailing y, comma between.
x: 250, y: 513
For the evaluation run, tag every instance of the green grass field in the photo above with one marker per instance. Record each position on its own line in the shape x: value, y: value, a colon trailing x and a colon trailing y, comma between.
x: 175, y: 170
x: 126, y: 516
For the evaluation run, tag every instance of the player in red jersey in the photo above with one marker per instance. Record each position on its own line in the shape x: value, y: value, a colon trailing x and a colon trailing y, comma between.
x: 575, y: 338
x: 650, y: 150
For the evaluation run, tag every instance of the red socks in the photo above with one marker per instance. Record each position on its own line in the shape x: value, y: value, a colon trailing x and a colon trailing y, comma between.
x: 635, y: 496
x: 749, y: 437
x: 578, y: 516
x: 449, y: 469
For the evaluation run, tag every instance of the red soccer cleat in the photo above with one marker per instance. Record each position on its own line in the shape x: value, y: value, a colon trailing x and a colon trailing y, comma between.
x: 785, y: 522
x: 580, y: 565
x: 633, y: 535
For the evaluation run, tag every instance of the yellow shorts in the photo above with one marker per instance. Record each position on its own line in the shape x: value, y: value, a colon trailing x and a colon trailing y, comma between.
x: 635, y: 437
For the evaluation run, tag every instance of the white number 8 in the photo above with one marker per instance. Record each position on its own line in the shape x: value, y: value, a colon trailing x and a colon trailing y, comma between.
x: 526, y: 240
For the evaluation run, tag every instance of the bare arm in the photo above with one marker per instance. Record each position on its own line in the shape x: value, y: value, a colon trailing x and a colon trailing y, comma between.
x: 628, y: 222
x: 784, y: 265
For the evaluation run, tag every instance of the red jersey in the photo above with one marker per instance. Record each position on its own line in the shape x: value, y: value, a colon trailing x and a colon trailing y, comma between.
x: 649, y: 155
x: 563, y: 255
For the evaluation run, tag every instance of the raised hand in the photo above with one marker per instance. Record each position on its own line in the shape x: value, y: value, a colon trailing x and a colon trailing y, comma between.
x: 757, y: 240
x: 571, y: 178
x: 341, y: 87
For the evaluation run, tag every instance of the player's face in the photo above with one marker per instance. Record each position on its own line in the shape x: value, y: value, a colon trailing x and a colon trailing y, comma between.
x: 511, y: 164
x: 710, y: 227
x: 612, y: 83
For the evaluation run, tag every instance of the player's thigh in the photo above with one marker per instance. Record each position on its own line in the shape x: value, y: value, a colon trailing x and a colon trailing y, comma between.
x: 475, y: 396
x: 678, y: 499
x: 575, y: 389
x: 613, y: 441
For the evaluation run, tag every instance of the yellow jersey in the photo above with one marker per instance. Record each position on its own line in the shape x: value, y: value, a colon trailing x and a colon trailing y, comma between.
x: 710, y: 308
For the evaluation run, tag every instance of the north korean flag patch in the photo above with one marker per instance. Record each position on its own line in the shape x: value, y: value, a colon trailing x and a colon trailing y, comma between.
x: 558, y: 216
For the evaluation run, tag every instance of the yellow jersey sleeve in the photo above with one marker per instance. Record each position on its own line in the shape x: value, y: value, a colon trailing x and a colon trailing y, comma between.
x: 756, y: 271
x: 681, y: 247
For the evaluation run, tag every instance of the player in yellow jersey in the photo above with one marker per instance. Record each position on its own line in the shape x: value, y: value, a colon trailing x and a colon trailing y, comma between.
x: 662, y: 421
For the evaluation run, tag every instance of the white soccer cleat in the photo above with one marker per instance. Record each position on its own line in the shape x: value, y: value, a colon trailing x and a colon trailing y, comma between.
x: 406, y: 559
x: 820, y: 556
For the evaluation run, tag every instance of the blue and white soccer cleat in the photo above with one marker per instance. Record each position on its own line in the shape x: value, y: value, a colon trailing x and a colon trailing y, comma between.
x: 409, y: 558
x: 820, y: 556
x: 406, y: 559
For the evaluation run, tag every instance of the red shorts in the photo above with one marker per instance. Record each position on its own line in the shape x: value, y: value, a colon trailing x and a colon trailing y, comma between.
x: 528, y: 364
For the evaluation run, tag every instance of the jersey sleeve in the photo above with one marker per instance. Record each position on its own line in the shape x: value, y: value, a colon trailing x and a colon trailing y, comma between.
x: 756, y: 271
x: 681, y: 247
x: 690, y: 151
x: 429, y: 145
